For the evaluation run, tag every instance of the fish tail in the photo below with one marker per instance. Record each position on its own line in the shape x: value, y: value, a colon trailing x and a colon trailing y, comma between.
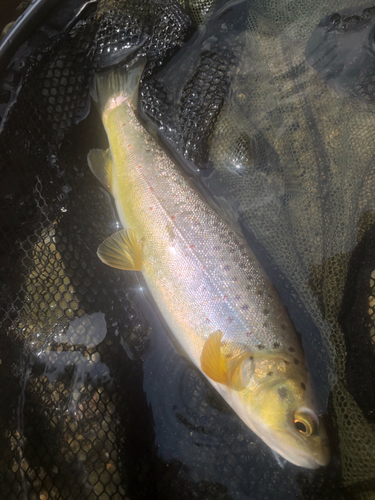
x: 117, y: 86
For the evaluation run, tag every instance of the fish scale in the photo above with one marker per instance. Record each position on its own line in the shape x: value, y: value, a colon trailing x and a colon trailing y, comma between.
x: 203, y: 247
x: 207, y: 284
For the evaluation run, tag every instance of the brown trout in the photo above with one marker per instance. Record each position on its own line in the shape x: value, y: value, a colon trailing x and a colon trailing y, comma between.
x: 209, y: 287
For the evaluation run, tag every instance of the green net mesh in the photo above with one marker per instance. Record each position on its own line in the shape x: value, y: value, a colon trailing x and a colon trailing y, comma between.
x: 326, y: 171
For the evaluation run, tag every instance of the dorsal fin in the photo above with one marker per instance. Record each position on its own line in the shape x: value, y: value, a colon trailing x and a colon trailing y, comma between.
x: 101, y: 165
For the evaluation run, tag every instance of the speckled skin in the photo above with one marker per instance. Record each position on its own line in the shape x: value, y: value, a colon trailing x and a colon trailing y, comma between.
x: 201, y: 274
x: 203, y: 278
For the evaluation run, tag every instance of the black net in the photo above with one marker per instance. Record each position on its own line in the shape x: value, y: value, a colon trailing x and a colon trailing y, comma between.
x: 93, y: 406
x: 63, y: 417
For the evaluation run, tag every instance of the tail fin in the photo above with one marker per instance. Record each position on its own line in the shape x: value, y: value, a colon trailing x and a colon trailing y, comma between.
x: 120, y: 82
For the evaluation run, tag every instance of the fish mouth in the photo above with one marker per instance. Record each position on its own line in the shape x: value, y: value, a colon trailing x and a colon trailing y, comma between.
x: 302, y: 457
x: 313, y: 461
x: 323, y: 458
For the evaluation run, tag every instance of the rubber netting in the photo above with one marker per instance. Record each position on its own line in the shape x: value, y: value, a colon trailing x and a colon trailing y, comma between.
x: 289, y: 159
x: 63, y: 419
x: 274, y: 115
x: 198, y: 10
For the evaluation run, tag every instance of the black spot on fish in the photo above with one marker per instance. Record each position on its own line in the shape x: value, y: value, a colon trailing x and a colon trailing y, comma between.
x: 342, y: 50
x: 270, y: 374
x: 265, y: 324
x: 260, y: 346
x: 266, y: 312
x: 276, y: 345
x: 283, y: 393
x: 259, y: 293
x: 245, y: 307
x: 303, y: 386
x: 283, y: 326
x: 295, y: 361
x: 291, y: 349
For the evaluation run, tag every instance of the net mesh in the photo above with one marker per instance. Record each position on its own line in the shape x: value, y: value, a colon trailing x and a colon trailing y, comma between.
x: 198, y: 10
x: 62, y: 427
x: 279, y: 151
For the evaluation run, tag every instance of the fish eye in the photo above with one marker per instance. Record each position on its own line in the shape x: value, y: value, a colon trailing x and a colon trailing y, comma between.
x: 305, y: 421
x: 301, y: 427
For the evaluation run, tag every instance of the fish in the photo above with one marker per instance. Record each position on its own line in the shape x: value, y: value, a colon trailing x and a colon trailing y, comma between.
x: 213, y: 294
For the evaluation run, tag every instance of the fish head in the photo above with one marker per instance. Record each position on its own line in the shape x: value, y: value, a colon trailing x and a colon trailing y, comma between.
x: 282, y: 414
x: 273, y: 397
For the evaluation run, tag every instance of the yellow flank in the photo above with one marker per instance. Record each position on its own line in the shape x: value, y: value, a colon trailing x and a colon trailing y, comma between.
x: 212, y: 292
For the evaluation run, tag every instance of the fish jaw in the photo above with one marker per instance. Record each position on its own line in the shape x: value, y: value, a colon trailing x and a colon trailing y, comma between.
x: 293, y: 449
x: 271, y: 413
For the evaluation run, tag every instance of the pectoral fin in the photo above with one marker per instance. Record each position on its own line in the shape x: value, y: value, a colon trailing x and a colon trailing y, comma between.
x: 234, y: 373
x: 213, y: 362
x: 101, y: 165
x: 122, y: 250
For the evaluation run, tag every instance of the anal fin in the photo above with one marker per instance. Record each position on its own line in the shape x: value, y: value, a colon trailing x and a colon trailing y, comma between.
x: 122, y: 250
